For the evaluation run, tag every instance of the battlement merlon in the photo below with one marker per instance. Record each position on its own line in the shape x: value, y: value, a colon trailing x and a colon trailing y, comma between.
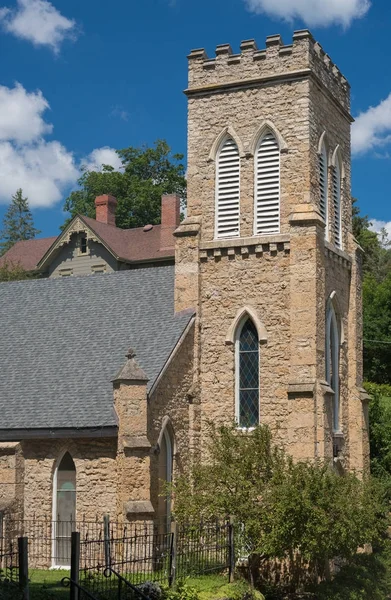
x: 278, y: 61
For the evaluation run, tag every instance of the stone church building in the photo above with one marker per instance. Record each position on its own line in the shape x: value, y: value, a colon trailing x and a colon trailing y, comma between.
x: 250, y: 309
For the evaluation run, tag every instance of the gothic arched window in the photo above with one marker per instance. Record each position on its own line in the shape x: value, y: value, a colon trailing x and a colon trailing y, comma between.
x: 323, y: 184
x: 247, y: 375
x: 337, y: 193
x: 332, y: 361
x: 64, y: 510
x: 267, y: 186
x: 166, y: 458
x: 227, y: 190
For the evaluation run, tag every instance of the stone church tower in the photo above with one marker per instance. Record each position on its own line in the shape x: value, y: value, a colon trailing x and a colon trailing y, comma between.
x: 266, y: 254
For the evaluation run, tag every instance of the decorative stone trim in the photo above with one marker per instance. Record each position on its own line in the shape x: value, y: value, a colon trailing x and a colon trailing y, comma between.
x: 326, y: 389
x: 143, y: 507
x: 338, y: 256
x: 189, y: 227
x: 250, y: 312
x: 364, y: 396
x: 137, y: 443
x: 272, y: 244
x: 301, y: 388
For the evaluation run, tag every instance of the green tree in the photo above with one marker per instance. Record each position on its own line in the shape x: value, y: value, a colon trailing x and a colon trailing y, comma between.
x: 147, y: 173
x: 18, y: 222
x: 299, y: 512
x: 11, y: 272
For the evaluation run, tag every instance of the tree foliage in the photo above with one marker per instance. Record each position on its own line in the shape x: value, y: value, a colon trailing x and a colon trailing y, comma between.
x: 147, y: 174
x: 300, y: 512
x: 13, y: 272
x: 18, y: 222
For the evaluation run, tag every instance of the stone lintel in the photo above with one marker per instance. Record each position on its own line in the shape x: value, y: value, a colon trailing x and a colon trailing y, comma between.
x: 301, y: 388
x: 136, y: 443
x: 143, y: 507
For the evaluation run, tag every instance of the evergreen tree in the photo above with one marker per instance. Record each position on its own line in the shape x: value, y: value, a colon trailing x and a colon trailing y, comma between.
x: 18, y: 223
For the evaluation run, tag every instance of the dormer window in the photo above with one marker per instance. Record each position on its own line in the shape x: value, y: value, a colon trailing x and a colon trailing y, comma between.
x: 83, y: 244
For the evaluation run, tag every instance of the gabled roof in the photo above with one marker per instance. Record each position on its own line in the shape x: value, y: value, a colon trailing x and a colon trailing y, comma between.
x: 128, y: 245
x: 64, y: 340
x: 28, y: 253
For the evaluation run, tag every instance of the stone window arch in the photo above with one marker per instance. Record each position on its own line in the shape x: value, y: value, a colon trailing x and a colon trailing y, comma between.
x: 323, y: 180
x: 227, y: 202
x: 332, y: 366
x: 166, y: 453
x: 64, y: 509
x: 267, y: 184
x: 337, y: 181
x: 247, y: 374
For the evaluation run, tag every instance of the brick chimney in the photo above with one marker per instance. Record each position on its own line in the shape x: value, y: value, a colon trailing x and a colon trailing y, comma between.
x: 171, y: 216
x: 105, y: 206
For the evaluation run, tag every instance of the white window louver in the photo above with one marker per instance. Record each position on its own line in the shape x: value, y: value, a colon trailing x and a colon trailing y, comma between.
x: 323, y: 182
x: 337, y: 205
x: 228, y: 191
x: 267, y: 186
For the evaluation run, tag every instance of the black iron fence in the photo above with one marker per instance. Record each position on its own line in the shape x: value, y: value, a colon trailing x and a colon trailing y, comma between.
x: 138, y: 552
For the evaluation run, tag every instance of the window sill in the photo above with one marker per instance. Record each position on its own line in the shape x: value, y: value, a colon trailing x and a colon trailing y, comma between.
x: 339, y: 435
x: 273, y: 238
x: 245, y: 429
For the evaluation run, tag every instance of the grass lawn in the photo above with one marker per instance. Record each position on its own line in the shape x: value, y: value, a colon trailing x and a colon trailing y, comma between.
x: 47, y: 584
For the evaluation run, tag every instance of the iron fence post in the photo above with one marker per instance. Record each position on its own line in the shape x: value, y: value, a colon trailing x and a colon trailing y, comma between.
x: 75, y: 565
x: 231, y: 550
x: 23, y: 567
x: 172, y: 561
x: 106, y: 534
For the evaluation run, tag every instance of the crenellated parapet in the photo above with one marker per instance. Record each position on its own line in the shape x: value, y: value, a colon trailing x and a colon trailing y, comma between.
x: 302, y: 58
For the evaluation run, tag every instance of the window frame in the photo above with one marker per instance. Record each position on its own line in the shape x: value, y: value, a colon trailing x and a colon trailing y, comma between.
x: 257, y: 147
x: 218, y: 236
x: 237, y: 372
x: 337, y: 180
x: 332, y: 365
x: 323, y: 155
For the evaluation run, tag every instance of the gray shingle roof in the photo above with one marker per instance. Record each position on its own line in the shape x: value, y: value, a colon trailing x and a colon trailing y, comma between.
x: 64, y: 340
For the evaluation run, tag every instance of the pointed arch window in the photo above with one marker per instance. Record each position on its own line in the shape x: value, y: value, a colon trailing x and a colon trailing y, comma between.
x: 64, y: 510
x: 332, y: 361
x: 267, y: 186
x: 166, y: 457
x: 227, y: 223
x: 323, y: 184
x: 247, y: 375
x: 337, y: 193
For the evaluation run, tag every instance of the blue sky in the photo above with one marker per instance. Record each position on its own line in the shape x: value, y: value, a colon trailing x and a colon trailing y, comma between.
x: 80, y: 78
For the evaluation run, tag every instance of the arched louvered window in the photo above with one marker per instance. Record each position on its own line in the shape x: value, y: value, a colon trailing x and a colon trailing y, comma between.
x: 332, y: 360
x: 247, y: 375
x: 323, y: 184
x: 267, y: 186
x: 337, y: 189
x: 228, y: 190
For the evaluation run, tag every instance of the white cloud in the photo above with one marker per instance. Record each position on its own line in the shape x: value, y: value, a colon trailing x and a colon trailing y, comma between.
x: 372, y: 128
x: 43, y: 169
x: 315, y: 13
x: 39, y: 22
x: 102, y: 156
x: 378, y: 226
x: 21, y: 113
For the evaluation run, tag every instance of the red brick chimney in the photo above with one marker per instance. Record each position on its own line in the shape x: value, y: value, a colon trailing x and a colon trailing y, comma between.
x: 171, y: 217
x: 105, y: 206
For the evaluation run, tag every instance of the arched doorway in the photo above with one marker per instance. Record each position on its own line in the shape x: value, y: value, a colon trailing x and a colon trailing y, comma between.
x: 64, y: 510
